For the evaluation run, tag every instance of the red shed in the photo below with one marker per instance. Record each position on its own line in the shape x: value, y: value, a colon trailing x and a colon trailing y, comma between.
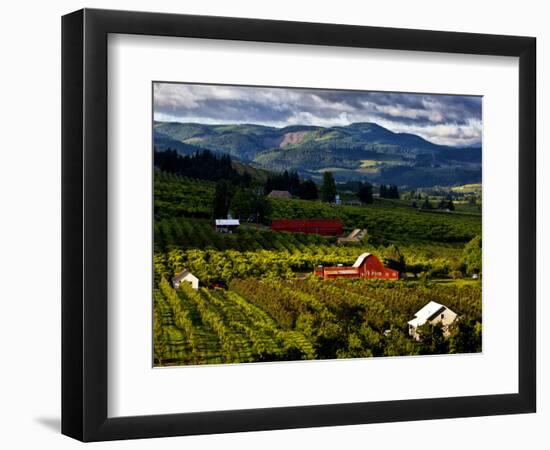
x: 366, y: 266
x: 324, y: 227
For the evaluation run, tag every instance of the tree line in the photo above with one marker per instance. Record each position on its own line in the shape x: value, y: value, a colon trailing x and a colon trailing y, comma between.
x: 203, y: 165
x: 389, y: 191
x: 291, y: 182
x: 207, y: 165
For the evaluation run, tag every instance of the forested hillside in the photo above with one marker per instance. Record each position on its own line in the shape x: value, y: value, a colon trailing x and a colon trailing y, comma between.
x: 364, y: 151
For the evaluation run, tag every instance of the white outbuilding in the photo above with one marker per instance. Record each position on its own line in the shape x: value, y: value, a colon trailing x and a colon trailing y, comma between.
x: 185, y: 276
x: 433, y: 313
x: 227, y: 225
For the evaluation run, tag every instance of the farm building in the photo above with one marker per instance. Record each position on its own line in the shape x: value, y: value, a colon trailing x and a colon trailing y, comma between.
x: 433, y: 313
x: 280, y: 194
x: 355, y: 236
x: 366, y: 266
x: 186, y: 276
x: 324, y: 227
x: 227, y: 225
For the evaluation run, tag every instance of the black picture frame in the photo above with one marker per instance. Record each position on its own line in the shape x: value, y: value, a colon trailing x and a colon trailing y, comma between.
x: 84, y: 224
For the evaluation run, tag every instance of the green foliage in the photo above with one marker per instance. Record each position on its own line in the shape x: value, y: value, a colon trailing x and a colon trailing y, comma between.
x: 393, y: 258
x: 390, y: 191
x: 273, y: 319
x: 284, y: 181
x: 252, y: 252
x: 365, y: 193
x: 241, y: 205
x: 455, y: 274
x: 426, y: 204
x: 212, y: 265
x: 465, y: 336
x: 400, y: 158
x: 176, y: 196
x: 275, y: 309
x: 205, y: 327
x: 308, y: 190
x: 472, y: 257
x: 195, y: 233
x: 328, y: 189
x: 385, y: 222
x: 222, y: 199
x: 398, y: 343
x: 446, y: 205
x: 203, y: 165
x: 249, y: 205
x: 433, y: 340
x: 159, y: 338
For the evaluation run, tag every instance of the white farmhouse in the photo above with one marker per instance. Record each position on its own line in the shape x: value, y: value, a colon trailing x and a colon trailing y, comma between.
x: 186, y: 276
x: 433, y: 313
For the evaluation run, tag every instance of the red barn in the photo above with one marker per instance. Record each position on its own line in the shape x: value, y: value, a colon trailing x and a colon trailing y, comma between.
x: 366, y: 266
x: 324, y: 227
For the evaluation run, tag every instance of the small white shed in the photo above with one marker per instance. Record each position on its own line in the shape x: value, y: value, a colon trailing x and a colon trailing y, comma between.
x: 227, y: 225
x: 186, y: 276
x: 433, y: 313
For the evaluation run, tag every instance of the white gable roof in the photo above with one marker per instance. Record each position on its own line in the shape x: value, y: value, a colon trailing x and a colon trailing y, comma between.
x: 227, y: 222
x: 190, y: 276
x: 184, y: 275
x: 425, y: 313
x: 360, y: 260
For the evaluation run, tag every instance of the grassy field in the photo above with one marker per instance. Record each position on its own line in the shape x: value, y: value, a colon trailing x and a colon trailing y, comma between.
x: 468, y: 188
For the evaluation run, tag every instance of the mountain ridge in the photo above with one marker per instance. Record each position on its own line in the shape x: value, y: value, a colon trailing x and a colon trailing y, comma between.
x: 362, y: 150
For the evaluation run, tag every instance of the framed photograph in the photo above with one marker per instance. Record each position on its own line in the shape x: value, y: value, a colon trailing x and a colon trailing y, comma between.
x: 273, y: 225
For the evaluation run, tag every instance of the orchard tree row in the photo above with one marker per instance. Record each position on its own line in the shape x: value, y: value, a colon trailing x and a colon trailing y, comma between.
x: 273, y: 320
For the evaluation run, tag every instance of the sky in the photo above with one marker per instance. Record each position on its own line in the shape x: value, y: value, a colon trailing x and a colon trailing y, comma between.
x: 442, y: 119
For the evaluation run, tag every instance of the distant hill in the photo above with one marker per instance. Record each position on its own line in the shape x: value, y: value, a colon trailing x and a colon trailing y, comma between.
x: 360, y: 151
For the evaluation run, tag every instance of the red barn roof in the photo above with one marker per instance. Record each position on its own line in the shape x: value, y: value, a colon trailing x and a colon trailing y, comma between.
x: 366, y: 266
x: 361, y: 259
x: 324, y: 227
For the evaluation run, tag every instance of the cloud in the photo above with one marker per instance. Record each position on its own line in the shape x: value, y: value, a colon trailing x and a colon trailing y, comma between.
x: 443, y: 119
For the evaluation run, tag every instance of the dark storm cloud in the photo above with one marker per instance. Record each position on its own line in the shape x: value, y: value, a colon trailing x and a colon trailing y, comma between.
x: 444, y: 119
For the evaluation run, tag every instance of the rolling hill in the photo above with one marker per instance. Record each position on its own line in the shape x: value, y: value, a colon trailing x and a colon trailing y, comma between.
x: 364, y: 151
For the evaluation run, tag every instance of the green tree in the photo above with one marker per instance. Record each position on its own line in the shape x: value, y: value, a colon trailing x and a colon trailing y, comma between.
x: 396, y: 343
x: 433, y: 340
x: 426, y: 204
x: 392, y: 191
x: 242, y: 205
x: 446, y: 204
x: 261, y: 208
x: 471, y: 256
x: 159, y: 338
x: 328, y: 190
x: 222, y: 199
x: 249, y: 205
x: 465, y: 336
x: 455, y: 274
x: 393, y: 258
x: 308, y: 190
x: 365, y: 193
